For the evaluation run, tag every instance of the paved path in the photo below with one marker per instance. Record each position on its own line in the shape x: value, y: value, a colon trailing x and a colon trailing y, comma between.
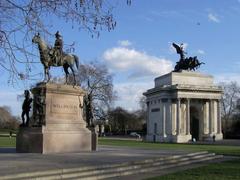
x: 145, y: 176
x: 227, y: 142
x: 12, y: 162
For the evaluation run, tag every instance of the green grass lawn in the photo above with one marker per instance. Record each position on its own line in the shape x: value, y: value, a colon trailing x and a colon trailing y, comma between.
x: 218, y: 149
x: 7, y: 142
x: 229, y: 170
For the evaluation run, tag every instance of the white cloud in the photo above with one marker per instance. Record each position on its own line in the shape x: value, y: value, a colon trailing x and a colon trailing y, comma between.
x: 124, y: 43
x: 213, y: 18
x: 227, y: 77
x: 200, y: 51
x: 130, y: 93
x: 136, y: 63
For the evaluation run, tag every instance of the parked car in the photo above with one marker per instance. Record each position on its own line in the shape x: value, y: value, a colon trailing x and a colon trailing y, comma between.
x: 134, y: 134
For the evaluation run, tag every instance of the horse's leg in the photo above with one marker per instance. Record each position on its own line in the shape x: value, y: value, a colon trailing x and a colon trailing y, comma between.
x: 71, y: 67
x: 65, y: 67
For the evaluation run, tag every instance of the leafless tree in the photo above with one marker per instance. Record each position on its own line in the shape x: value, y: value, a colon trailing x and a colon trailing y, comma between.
x: 7, y: 120
x: 123, y: 121
x: 142, y: 103
x: 97, y: 81
x: 230, y: 97
x: 19, y: 20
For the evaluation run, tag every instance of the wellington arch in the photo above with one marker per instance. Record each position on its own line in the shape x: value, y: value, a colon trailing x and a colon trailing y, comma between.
x: 184, y: 106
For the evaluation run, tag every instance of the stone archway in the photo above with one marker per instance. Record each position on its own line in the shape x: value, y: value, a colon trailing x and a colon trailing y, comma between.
x: 194, y: 122
x: 181, y: 102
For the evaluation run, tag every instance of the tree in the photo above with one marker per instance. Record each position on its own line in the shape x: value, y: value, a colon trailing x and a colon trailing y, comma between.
x: 142, y: 113
x: 118, y: 119
x: 97, y: 81
x: 231, y: 94
x: 20, y: 20
x: 143, y: 107
x: 7, y: 121
x: 123, y: 121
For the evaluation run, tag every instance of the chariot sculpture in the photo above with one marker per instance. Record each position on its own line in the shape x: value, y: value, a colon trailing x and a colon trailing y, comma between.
x: 185, y: 63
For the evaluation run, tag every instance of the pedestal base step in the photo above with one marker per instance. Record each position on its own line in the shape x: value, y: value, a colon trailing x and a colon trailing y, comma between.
x: 36, y: 140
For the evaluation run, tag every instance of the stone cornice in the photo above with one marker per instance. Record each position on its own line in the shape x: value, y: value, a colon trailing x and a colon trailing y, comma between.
x: 185, y: 88
x: 59, y: 88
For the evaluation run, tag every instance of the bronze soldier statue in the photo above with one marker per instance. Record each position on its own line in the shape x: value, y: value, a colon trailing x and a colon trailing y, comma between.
x: 26, y: 106
x: 58, y: 48
x: 88, y: 110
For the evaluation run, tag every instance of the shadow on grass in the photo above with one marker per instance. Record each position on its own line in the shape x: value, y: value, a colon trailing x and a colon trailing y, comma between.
x: 217, y: 171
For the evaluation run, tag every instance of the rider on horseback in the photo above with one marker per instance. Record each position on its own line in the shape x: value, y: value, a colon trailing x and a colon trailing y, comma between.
x: 47, y: 55
x: 58, y: 49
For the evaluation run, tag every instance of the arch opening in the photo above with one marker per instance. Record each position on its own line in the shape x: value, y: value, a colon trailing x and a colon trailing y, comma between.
x: 194, y: 122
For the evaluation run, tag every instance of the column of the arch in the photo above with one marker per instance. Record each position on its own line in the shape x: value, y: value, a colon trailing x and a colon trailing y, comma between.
x: 219, y: 123
x: 215, y: 117
x: 161, y: 123
x: 147, y: 118
x: 150, y: 124
x: 219, y: 135
x: 188, y: 117
x: 169, y: 118
x: 210, y: 117
x: 206, y: 117
x: 178, y: 116
x: 173, y: 118
x: 163, y: 119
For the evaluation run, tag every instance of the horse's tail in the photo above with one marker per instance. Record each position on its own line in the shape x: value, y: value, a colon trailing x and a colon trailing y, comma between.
x: 76, y: 61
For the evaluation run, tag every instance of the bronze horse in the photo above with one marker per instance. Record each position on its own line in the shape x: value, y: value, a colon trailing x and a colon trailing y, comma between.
x: 190, y: 63
x: 67, y: 60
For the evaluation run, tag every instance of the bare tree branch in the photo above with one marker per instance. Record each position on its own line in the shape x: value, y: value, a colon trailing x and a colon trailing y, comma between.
x: 20, y: 20
x: 229, y: 100
x: 97, y: 81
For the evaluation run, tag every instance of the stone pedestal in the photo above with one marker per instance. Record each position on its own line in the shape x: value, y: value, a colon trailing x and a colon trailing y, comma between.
x: 94, y: 138
x: 58, y: 125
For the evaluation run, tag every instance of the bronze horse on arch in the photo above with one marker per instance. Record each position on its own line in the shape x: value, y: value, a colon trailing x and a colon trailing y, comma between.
x: 185, y: 63
x: 46, y: 58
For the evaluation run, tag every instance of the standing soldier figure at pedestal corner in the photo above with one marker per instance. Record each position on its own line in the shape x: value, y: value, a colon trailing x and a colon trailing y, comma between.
x: 26, y: 106
x: 58, y: 48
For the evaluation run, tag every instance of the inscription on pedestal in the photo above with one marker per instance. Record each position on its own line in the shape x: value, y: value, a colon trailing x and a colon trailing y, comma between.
x: 64, y: 107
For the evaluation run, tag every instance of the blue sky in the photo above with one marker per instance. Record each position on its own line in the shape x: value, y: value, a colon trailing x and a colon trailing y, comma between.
x: 139, y: 49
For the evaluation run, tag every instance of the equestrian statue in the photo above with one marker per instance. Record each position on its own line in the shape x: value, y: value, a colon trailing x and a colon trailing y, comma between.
x: 186, y: 63
x: 55, y: 56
